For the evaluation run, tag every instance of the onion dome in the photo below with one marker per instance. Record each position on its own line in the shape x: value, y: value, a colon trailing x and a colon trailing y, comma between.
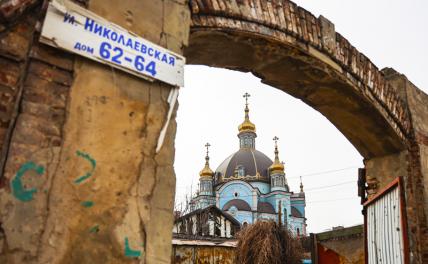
x: 277, y: 166
x: 206, y: 171
x: 247, y: 125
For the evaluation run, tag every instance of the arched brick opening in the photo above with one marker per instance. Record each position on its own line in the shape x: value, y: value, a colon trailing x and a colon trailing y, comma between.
x: 290, y: 49
x: 316, y: 65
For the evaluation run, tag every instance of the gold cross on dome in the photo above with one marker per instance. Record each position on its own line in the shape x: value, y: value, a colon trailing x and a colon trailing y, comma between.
x: 207, y: 146
x: 276, y: 140
x: 246, y: 96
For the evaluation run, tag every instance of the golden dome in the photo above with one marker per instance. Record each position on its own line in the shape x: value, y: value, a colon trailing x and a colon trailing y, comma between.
x: 206, y: 171
x: 247, y: 125
x: 277, y: 166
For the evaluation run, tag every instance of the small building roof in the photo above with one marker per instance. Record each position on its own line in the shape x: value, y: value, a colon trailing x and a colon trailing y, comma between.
x: 264, y: 207
x: 295, y: 212
x: 209, y: 208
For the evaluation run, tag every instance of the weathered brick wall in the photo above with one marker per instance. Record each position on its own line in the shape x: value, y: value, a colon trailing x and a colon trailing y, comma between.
x: 416, y: 182
x: 16, y: 35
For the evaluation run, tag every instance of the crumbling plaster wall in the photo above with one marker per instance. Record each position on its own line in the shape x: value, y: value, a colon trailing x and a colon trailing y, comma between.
x: 85, y: 139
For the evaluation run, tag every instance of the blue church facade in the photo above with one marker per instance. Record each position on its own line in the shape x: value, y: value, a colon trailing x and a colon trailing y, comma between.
x: 251, y: 187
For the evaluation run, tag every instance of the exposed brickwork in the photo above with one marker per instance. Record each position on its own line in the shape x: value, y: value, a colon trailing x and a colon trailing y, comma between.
x: 36, y: 80
x: 415, y: 201
x: 282, y: 19
x: 11, y: 9
x: 14, y: 48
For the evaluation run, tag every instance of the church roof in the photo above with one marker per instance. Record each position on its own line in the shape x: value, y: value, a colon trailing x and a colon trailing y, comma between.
x: 206, y: 209
x: 241, y: 205
x: 264, y: 207
x: 252, y: 160
x: 295, y: 212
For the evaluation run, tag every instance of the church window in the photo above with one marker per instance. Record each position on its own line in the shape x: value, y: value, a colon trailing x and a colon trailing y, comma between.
x: 233, y: 210
x: 285, y: 217
x: 240, y: 171
x: 235, y: 194
x: 298, y: 232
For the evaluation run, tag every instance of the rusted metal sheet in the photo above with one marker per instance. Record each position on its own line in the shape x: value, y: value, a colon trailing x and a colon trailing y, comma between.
x: 224, y: 255
x: 385, y: 228
x: 183, y: 254
x: 186, y: 254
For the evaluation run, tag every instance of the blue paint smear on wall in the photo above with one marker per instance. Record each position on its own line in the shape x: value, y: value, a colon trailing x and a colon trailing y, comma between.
x: 87, y: 204
x: 93, y: 162
x: 17, y: 187
x: 130, y: 252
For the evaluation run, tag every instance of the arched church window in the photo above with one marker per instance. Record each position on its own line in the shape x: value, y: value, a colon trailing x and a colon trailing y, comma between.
x: 285, y: 217
x: 233, y: 210
x: 240, y: 171
x: 298, y: 232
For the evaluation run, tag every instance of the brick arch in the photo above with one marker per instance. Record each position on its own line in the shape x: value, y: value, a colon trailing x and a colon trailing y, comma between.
x: 292, y: 50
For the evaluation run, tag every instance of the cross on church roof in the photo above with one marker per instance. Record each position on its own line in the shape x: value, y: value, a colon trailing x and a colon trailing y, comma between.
x: 246, y: 96
x: 276, y: 141
x: 207, y: 146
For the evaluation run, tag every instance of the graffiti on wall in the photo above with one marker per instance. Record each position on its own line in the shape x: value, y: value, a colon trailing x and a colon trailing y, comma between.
x: 18, y: 190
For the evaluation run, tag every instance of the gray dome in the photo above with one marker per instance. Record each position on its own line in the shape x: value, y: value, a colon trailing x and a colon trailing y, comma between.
x: 252, y: 160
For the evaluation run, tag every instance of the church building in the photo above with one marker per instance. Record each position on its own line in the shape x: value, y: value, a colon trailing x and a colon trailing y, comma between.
x: 251, y: 187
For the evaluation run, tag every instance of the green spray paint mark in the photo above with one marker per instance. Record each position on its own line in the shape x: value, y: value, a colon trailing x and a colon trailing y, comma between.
x: 18, y: 189
x: 87, y: 204
x: 87, y: 157
x: 94, y: 229
x: 130, y: 252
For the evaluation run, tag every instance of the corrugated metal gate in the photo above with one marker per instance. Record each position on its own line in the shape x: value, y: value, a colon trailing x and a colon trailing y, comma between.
x: 386, y: 236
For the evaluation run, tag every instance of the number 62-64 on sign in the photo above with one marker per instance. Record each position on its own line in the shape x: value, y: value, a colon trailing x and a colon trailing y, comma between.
x: 73, y: 28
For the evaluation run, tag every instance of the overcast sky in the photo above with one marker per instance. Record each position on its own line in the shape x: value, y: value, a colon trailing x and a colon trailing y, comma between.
x: 391, y: 33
